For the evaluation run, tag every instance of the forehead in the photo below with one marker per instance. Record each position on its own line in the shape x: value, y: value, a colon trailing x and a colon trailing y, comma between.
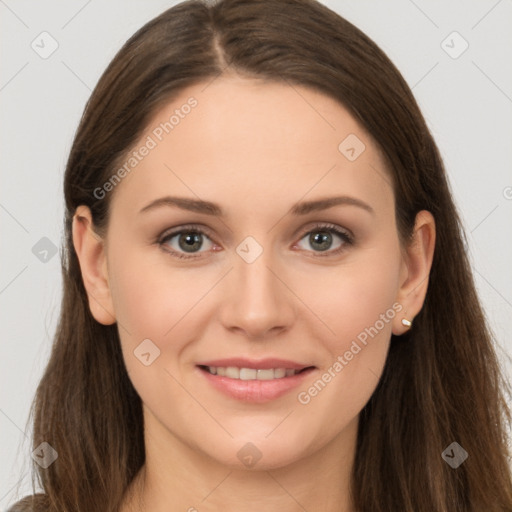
x: 241, y: 141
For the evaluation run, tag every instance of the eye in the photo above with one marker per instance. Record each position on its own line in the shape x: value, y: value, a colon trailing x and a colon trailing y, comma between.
x: 184, y: 242
x: 321, y: 239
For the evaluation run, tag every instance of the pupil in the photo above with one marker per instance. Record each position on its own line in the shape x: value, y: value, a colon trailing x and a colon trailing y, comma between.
x: 188, y: 241
x: 321, y: 237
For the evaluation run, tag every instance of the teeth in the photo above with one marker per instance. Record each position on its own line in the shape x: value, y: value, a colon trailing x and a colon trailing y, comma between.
x: 232, y: 372
x: 247, y: 374
x: 265, y: 374
x: 252, y: 373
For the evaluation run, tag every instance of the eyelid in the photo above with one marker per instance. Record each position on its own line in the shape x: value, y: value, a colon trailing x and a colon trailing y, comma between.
x: 185, y: 228
x: 328, y: 226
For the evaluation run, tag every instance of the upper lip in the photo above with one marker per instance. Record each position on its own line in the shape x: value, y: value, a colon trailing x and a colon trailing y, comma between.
x: 264, y: 364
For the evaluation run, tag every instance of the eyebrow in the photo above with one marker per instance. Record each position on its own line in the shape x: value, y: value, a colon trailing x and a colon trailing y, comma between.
x: 301, y: 208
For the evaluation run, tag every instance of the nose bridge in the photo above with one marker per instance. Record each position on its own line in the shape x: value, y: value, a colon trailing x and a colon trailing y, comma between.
x: 252, y: 270
x: 252, y: 267
x: 258, y: 299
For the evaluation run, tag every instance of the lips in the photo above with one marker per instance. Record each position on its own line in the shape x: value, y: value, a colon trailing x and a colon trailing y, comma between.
x: 240, y: 378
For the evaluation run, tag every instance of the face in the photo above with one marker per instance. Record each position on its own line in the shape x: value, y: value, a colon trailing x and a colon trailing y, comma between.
x: 263, y: 276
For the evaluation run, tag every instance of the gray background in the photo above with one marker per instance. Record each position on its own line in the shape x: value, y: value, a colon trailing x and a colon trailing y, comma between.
x: 467, y: 102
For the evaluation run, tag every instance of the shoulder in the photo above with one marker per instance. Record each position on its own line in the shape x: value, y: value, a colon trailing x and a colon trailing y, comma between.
x: 32, y: 503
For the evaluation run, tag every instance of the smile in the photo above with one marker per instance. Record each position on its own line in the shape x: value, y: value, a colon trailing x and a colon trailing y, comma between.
x: 233, y: 372
x: 256, y: 384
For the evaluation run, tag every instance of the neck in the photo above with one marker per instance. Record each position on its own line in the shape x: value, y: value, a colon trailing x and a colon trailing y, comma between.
x: 175, y: 477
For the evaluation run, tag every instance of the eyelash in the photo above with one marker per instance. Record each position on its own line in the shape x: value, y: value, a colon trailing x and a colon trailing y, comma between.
x: 191, y: 228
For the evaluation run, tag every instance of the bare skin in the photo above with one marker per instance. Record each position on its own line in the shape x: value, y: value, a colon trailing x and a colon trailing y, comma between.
x: 255, y: 149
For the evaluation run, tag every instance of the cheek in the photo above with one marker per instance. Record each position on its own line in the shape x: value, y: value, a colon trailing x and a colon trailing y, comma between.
x: 358, y: 305
x: 367, y: 303
x: 150, y: 298
x: 356, y: 298
x: 154, y: 303
x: 165, y: 305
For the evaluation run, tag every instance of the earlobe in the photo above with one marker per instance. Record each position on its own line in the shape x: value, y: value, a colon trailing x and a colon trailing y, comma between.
x: 90, y: 250
x: 416, y: 271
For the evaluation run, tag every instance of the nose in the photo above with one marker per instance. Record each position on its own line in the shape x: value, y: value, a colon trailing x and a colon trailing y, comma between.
x: 256, y: 299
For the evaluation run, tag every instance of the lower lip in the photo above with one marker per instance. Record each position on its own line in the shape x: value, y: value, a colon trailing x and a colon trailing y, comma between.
x: 258, y: 391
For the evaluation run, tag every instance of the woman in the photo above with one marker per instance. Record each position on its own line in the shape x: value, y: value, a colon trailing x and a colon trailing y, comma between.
x: 267, y: 302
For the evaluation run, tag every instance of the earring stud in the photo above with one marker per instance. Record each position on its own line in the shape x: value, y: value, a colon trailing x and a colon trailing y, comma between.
x: 406, y: 323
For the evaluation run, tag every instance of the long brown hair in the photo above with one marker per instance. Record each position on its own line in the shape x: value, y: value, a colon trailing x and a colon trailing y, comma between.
x: 442, y: 382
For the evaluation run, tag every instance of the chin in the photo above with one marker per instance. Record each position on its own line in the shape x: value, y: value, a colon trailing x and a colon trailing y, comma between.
x: 260, y: 453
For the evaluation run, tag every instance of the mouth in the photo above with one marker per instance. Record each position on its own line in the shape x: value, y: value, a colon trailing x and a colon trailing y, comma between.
x: 251, y: 381
x: 234, y: 372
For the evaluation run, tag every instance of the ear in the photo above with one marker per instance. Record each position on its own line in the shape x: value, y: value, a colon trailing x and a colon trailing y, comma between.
x: 90, y: 250
x: 415, y: 270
